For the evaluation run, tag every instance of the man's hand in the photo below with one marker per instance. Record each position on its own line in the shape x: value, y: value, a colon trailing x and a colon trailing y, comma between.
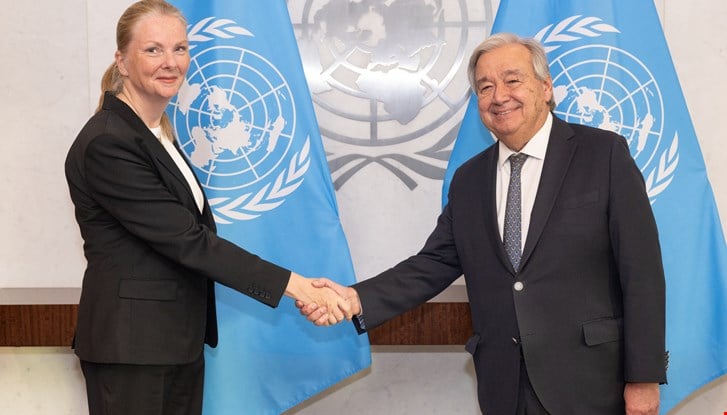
x: 641, y: 398
x: 318, y: 315
x: 306, y: 292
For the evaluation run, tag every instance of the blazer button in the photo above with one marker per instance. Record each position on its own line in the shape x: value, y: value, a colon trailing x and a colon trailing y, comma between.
x: 518, y: 286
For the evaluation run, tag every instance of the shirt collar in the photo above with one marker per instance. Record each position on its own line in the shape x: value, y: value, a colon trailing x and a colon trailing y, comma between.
x: 535, y: 148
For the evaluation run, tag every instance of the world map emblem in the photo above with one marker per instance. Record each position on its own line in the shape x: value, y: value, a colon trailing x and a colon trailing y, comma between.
x: 235, y: 120
x: 387, y: 80
x: 607, y: 87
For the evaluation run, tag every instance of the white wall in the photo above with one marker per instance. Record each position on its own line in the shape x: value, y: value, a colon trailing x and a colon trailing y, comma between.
x: 54, y: 54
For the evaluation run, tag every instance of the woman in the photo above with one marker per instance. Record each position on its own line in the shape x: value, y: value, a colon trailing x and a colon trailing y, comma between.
x: 147, y: 303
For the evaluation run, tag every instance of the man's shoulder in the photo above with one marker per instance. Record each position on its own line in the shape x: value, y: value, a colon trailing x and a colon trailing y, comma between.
x: 480, y: 158
x: 588, y: 135
x: 474, y: 170
x: 587, y: 130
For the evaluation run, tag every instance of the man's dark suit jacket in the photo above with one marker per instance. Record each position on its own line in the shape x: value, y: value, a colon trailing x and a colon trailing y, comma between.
x: 590, y: 314
x: 148, y: 292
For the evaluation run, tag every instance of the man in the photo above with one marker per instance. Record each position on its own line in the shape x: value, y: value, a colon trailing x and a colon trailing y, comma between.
x: 565, y: 285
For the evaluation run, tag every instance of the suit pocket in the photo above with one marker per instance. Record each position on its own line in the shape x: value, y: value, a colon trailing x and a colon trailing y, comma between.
x: 602, y: 331
x: 472, y: 342
x: 582, y: 200
x: 159, y: 290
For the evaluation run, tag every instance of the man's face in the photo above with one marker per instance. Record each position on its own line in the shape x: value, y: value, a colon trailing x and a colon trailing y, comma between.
x: 512, y: 102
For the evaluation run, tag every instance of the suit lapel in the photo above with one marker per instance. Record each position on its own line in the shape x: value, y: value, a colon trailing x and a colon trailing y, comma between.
x: 489, y: 206
x: 163, y: 157
x: 151, y: 143
x: 166, y: 160
x: 207, y: 215
x: 558, y: 156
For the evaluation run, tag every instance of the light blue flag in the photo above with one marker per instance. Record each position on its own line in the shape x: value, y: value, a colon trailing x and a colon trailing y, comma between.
x: 611, y: 69
x: 245, y: 120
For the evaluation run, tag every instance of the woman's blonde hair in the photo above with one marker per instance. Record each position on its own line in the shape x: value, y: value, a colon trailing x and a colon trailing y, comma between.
x: 112, y: 81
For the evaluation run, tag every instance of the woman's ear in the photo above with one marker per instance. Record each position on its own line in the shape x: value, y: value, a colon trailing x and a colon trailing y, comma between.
x: 120, y: 63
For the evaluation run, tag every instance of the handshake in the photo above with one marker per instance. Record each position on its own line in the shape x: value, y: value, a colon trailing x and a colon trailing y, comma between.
x: 323, y: 301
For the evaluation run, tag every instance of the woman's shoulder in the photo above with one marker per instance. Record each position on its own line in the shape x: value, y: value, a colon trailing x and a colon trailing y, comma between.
x: 111, y: 120
x: 106, y: 131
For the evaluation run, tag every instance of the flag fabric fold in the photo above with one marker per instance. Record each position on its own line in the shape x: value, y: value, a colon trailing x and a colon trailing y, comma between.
x: 244, y: 118
x: 612, y: 69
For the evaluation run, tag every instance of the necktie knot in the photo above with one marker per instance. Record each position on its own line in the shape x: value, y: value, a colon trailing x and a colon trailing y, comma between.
x: 517, y: 160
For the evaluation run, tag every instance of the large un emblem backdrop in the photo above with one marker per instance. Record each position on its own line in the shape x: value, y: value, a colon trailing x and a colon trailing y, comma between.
x: 389, y: 86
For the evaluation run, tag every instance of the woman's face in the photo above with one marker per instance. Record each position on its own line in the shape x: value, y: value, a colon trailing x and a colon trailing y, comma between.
x: 156, y: 59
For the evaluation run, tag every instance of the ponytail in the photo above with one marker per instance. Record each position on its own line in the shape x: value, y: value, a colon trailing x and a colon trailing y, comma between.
x: 110, y: 82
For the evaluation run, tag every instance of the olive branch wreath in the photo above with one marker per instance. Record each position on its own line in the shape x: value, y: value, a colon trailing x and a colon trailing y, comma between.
x: 249, y: 205
x: 576, y: 27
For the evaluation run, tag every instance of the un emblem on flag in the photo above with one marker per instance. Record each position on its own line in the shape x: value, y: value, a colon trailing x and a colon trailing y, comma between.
x: 607, y: 87
x: 235, y: 120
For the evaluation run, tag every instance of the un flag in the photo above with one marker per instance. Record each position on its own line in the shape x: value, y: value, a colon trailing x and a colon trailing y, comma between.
x: 611, y: 69
x: 244, y: 118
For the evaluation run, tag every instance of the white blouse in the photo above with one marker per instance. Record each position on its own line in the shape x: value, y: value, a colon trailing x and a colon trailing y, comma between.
x: 182, y: 165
